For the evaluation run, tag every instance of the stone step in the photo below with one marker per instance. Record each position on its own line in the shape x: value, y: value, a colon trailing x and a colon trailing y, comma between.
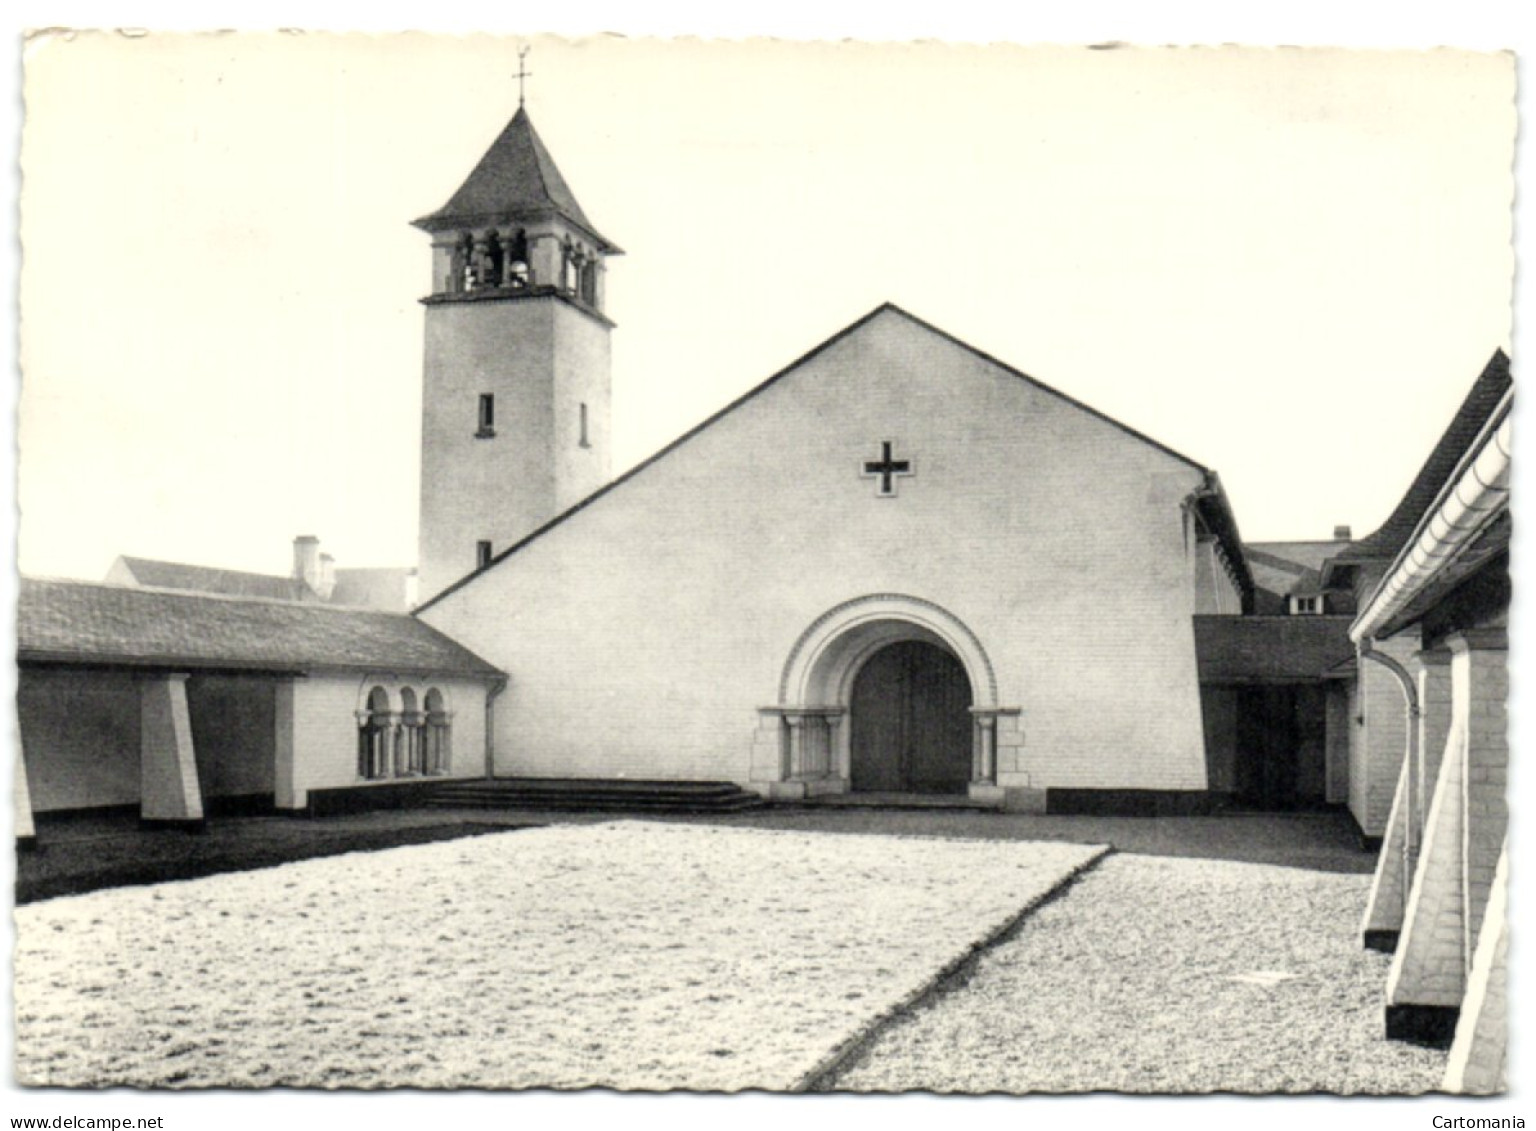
x: 898, y: 800
x: 601, y: 795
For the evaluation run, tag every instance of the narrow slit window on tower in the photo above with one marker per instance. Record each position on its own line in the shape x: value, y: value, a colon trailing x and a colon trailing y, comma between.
x: 584, y: 441
x: 482, y: 554
x: 486, y: 418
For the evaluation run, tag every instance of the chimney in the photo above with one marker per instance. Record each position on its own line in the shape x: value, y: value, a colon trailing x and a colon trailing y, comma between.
x: 306, y: 564
x: 1341, y: 534
x: 327, y: 584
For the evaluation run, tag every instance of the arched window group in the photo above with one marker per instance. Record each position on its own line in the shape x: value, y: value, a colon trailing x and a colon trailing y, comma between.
x: 414, y: 741
x: 497, y: 259
x: 578, y: 272
x: 490, y: 259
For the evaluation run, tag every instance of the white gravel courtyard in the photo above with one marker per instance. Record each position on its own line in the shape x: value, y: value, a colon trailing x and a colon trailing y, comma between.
x: 629, y: 955
x: 1165, y: 975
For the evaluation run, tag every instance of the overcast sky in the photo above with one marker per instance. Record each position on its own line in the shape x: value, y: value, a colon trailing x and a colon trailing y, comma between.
x: 1288, y: 265
x: 225, y: 344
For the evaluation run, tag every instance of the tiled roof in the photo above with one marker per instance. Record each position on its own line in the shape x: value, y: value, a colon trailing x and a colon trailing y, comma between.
x: 86, y: 622
x: 1309, y: 584
x: 517, y: 176
x: 208, y: 579
x: 1279, y: 567
x: 1488, y: 556
x: 1484, y: 397
x: 375, y: 587
x: 1270, y: 649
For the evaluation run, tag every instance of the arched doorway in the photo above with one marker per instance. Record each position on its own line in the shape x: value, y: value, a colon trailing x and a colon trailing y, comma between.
x: 940, y: 704
x: 910, y: 713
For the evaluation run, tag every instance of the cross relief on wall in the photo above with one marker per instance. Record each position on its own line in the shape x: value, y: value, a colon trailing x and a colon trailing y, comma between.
x: 886, y: 470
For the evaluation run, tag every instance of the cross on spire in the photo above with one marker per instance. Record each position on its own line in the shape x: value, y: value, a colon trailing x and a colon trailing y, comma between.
x: 522, y: 73
x: 886, y: 469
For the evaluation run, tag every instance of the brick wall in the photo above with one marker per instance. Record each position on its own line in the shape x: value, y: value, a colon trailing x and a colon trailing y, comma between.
x: 1463, y: 835
x: 1428, y: 967
x: 1385, y: 906
x: 1215, y: 592
x: 1480, y: 690
x: 1435, y: 710
x: 1479, y: 1053
x: 1377, y: 755
x: 643, y: 634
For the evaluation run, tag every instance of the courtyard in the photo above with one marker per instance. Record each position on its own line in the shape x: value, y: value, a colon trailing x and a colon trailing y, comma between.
x: 880, y: 951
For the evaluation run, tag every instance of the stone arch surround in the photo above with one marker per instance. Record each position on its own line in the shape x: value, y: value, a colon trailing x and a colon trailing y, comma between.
x: 828, y: 654
x: 801, y: 746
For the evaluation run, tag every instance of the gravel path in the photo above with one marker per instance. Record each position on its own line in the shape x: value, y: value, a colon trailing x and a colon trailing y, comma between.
x: 1164, y: 975
x: 631, y: 955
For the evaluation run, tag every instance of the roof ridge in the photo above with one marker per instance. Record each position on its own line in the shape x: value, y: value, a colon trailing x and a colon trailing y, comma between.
x: 762, y: 386
x: 1041, y: 385
x: 198, y: 594
x: 199, y: 565
x: 516, y: 174
x: 1466, y: 423
x: 540, y: 152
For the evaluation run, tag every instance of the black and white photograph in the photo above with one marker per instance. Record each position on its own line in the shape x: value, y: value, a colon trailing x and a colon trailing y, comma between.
x: 666, y: 564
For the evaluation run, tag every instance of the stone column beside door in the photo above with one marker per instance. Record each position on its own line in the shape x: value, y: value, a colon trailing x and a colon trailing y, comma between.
x: 796, y: 752
x: 997, y: 774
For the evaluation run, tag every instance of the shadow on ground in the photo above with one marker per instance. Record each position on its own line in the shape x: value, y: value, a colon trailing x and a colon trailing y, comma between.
x: 77, y: 856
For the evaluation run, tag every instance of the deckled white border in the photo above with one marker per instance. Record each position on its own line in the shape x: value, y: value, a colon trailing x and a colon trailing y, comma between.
x: 1500, y: 24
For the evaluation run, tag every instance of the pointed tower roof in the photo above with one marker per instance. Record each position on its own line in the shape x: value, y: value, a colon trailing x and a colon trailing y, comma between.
x: 516, y: 179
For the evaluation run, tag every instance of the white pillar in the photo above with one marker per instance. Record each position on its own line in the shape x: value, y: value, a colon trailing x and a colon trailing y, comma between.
x: 21, y: 797
x: 1384, y: 907
x: 983, y: 786
x: 169, y: 792
x: 1479, y: 1052
x: 797, y: 740
x: 288, y: 793
x: 1480, y: 678
x: 986, y: 750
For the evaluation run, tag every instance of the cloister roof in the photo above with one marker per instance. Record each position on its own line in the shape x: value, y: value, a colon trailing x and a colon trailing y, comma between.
x: 61, y: 621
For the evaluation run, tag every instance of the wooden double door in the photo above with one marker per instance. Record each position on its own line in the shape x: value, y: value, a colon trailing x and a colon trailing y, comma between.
x: 911, y: 721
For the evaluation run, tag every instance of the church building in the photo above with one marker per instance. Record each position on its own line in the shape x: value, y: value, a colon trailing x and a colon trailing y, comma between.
x: 897, y: 565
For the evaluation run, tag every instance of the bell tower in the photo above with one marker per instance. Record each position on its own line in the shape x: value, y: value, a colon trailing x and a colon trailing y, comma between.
x: 515, y: 387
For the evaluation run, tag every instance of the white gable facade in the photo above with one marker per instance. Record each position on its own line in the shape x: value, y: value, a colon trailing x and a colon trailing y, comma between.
x: 896, y: 565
